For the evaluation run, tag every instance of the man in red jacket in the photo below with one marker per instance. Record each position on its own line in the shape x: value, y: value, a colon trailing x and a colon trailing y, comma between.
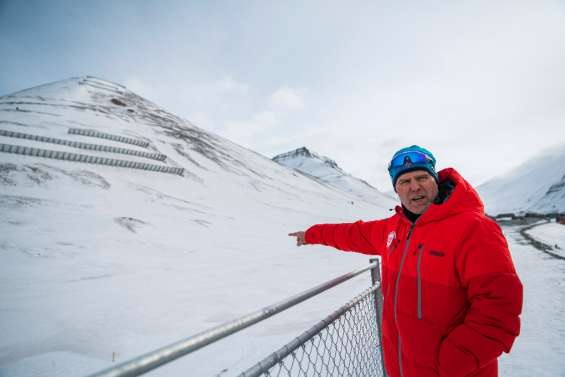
x: 452, y: 298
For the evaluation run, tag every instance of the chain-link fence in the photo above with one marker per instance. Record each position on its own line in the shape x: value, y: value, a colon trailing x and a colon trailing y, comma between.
x: 346, y: 343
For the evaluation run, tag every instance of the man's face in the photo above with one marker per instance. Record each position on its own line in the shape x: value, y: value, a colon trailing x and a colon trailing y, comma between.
x: 417, y: 190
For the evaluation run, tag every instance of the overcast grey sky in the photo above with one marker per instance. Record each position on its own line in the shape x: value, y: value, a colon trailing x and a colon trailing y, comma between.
x: 480, y: 83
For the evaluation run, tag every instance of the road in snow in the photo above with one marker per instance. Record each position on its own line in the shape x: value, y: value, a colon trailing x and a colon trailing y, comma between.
x: 552, y: 234
x: 540, y: 348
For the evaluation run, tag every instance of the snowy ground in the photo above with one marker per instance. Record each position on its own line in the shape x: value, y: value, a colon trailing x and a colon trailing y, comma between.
x: 539, y: 351
x: 551, y: 234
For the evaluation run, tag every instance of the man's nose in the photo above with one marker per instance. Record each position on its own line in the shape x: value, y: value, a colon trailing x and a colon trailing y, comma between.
x: 414, y: 186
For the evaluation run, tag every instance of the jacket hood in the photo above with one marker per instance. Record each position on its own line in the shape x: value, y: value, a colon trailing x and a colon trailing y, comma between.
x: 463, y: 198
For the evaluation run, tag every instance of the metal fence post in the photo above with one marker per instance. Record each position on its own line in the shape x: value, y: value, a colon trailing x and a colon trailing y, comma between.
x: 376, y: 278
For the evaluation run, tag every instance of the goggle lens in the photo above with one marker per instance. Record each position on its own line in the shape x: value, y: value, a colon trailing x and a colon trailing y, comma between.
x: 407, y: 159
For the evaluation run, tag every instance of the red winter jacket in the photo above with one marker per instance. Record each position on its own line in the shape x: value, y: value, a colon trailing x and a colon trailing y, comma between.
x: 452, y: 298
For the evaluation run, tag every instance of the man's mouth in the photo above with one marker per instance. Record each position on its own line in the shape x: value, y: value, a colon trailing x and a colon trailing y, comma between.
x: 418, y: 198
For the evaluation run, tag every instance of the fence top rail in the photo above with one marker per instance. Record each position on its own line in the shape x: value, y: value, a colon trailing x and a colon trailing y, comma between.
x: 270, y: 361
x: 164, y: 355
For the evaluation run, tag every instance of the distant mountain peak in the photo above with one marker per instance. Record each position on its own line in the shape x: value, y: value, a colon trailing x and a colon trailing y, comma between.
x: 304, y: 152
x: 328, y: 172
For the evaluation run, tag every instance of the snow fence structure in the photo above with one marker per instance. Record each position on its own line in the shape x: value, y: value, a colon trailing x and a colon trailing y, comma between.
x: 103, y: 135
x: 76, y: 157
x: 80, y: 145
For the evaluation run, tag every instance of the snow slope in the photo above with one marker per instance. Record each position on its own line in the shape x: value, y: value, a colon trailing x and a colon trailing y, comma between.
x: 100, y: 262
x: 328, y: 172
x: 536, y: 186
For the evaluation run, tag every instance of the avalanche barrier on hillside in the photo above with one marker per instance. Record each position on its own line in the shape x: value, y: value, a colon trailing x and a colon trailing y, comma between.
x: 75, y: 157
x: 102, y: 135
x: 80, y: 145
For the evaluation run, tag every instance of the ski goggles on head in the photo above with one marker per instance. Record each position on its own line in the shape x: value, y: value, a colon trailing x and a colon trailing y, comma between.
x: 408, y: 159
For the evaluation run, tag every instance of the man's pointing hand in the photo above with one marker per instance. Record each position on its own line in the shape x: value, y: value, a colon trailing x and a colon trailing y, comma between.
x: 300, y: 239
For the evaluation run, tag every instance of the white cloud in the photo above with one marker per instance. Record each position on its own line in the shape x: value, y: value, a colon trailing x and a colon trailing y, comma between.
x: 139, y: 87
x: 268, y: 124
x: 247, y: 132
x: 213, y: 93
x: 227, y: 86
x: 287, y: 99
x: 264, y: 118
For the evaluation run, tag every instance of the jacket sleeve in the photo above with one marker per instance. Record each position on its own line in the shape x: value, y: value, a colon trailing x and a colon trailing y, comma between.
x: 494, y: 293
x: 362, y: 237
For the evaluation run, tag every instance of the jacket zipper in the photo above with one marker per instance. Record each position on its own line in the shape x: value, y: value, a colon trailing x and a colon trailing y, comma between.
x: 396, y: 294
x: 419, y: 274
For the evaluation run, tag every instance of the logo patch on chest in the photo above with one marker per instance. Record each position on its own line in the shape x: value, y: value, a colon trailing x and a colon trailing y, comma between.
x: 391, y: 237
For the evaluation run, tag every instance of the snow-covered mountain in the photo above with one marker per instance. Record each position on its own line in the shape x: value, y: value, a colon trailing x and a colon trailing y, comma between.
x: 536, y: 186
x: 327, y: 171
x: 163, y: 230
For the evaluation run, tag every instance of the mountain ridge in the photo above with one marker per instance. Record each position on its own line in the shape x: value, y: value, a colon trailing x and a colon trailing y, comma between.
x: 537, y: 185
x: 328, y: 171
x: 121, y: 260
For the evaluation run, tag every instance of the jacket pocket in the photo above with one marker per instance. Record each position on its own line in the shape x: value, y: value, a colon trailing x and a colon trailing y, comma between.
x: 419, y: 279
